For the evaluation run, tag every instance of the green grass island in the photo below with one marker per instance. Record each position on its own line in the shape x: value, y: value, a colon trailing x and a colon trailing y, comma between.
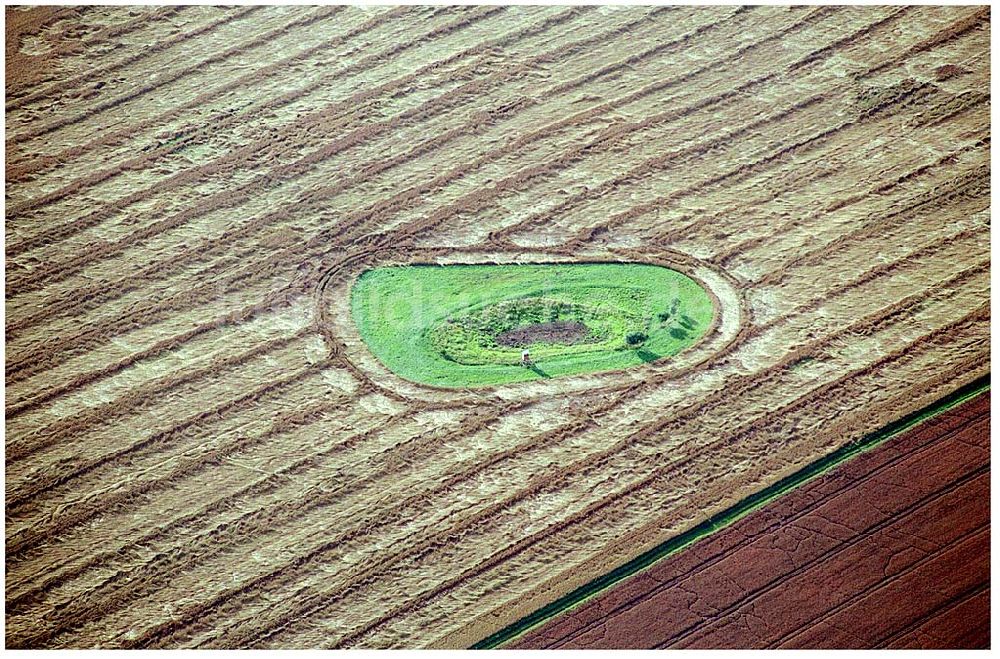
x: 472, y: 325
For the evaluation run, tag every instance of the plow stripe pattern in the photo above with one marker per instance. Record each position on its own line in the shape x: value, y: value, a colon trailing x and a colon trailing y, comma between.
x: 201, y: 452
x: 816, y: 528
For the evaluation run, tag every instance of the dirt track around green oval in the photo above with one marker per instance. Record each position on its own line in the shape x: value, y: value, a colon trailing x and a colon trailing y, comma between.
x: 400, y: 313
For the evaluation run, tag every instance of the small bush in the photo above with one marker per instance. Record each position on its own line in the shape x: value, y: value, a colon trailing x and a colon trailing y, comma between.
x: 635, y: 338
x: 664, y: 316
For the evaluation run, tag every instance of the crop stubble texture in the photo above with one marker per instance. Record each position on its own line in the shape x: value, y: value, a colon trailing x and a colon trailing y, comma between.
x: 201, y: 453
x: 888, y: 550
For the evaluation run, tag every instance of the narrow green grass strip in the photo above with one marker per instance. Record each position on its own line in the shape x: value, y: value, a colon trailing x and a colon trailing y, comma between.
x: 731, y: 515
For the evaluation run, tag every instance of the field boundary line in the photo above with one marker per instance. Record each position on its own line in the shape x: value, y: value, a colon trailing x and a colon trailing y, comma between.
x: 658, y: 473
x: 627, y: 390
x: 584, y: 464
x: 732, y: 514
x: 805, y: 511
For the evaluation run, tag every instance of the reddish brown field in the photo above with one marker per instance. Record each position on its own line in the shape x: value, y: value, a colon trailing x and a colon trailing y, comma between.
x: 889, y: 550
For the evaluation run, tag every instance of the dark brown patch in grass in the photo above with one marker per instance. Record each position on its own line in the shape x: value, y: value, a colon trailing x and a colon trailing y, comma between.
x: 565, y: 332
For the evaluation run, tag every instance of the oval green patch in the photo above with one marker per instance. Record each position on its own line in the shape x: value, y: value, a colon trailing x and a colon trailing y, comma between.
x: 467, y: 325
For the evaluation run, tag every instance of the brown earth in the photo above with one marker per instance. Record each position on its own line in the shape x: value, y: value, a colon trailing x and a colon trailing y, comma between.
x: 890, y: 549
x: 22, y: 68
x: 201, y: 451
x: 560, y: 331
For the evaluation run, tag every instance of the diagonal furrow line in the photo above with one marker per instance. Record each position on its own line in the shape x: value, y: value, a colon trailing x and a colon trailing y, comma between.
x: 173, y: 76
x: 21, y: 594
x: 976, y: 20
x: 218, y: 121
x: 190, y: 133
x: 953, y: 191
x: 98, y: 177
x: 962, y: 103
x: 655, y: 163
x: 40, y: 359
x: 210, y: 542
x: 70, y: 426
x: 679, y: 233
x: 99, y: 74
x: 104, y: 35
x: 659, y: 161
x: 739, y: 384
x: 320, y: 601
x: 278, y: 174
x: 121, y: 29
x: 273, y: 300
x: 891, y: 310
x: 482, y: 567
x: 226, y: 240
x: 979, y: 531
x: 51, y: 480
x: 673, y: 234
x: 481, y: 414
x: 882, y: 270
x: 901, y: 305
x: 799, y: 514
x: 724, y: 258
x: 935, y: 613
x: 904, y: 306
x: 911, y: 509
x: 852, y: 38
x: 736, y: 174
x: 972, y: 185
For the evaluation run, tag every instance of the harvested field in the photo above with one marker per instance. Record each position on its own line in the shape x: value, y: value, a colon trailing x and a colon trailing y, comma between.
x: 888, y: 550
x: 202, y: 451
